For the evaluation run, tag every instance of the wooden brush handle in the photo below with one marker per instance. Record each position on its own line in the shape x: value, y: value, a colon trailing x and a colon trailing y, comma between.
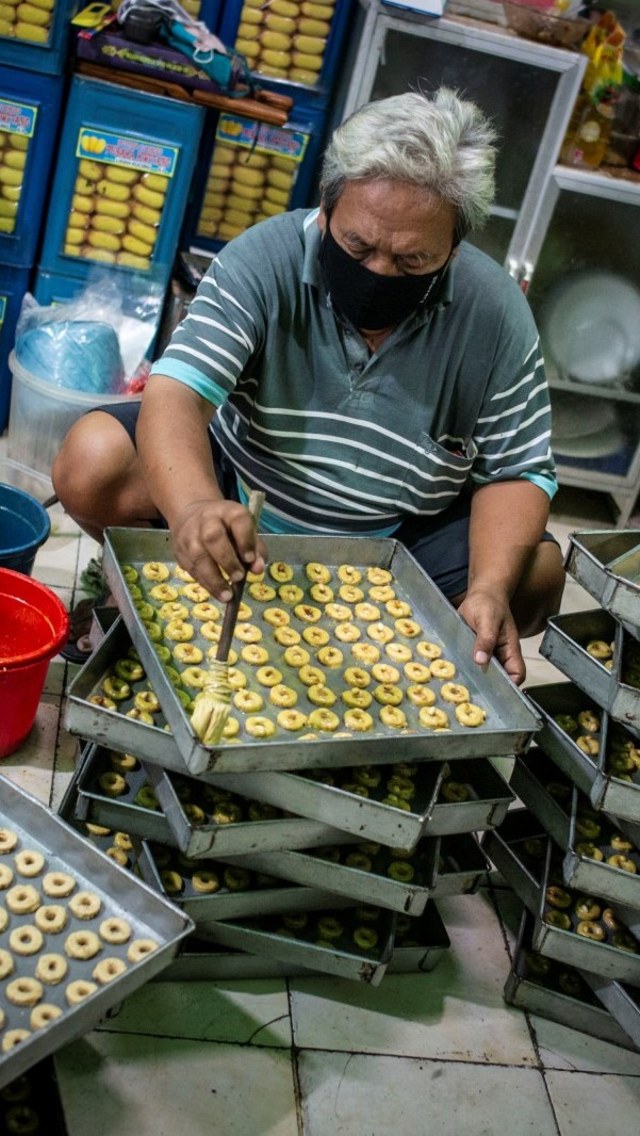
x: 254, y: 505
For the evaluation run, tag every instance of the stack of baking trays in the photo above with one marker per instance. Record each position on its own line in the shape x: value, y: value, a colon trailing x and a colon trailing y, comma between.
x: 344, y: 798
x: 573, y: 853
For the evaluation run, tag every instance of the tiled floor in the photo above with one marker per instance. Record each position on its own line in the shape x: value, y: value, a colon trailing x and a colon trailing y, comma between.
x: 420, y: 1054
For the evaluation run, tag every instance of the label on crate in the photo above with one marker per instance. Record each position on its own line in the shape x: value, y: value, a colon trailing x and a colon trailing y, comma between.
x: 135, y: 153
x: 18, y: 118
x: 259, y: 136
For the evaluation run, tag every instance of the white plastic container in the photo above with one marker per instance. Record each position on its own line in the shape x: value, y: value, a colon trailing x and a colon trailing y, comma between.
x: 40, y: 415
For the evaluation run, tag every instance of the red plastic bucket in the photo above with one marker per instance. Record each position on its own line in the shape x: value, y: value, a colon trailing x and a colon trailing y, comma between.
x: 33, y: 626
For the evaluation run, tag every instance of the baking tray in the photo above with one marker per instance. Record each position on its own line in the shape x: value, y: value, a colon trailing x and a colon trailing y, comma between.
x: 418, y: 947
x: 530, y: 877
x: 149, y: 915
x: 462, y: 866
x: 341, y: 957
x: 518, y: 850
x: 510, y: 719
x: 32, y: 1105
x: 607, y: 565
x: 622, y: 1002
x: 330, y: 870
x: 566, y: 945
x: 169, y: 823
x: 560, y: 807
x: 589, y: 772
x: 335, y: 795
x: 255, y: 893
x: 559, y: 993
x: 565, y: 644
x: 328, y: 801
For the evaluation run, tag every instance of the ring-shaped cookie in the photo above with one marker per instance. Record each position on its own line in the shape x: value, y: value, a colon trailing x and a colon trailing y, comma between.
x: 380, y: 632
x: 156, y: 571
x: 260, y: 727
x: 318, y: 573
x: 22, y: 899
x: 399, y: 652
x: 315, y: 636
x: 283, y: 695
x: 347, y: 631
x: 365, y: 652
x: 24, y: 991
x: 296, y: 656
x: 107, y: 969
x: 433, y: 718
x: 454, y: 692
x: 323, y: 719
x: 290, y: 593
x: 78, y: 990
x: 330, y: 657
x: 421, y: 695
x: 43, y: 1015
x: 286, y: 636
x: 82, y: 944
x: 248, y: 632
x: 261, y: 591
x: 6, y: 876
x: 195, y: 592
x: 291, y: 719
x: 85, y: 904
x: 320, y: 694
x: 268, y: 675
x: 356, y: 676
x: 52, y: 969
x: 26, y: 940
x: 173, y: 610
x: 205, y: 612
x: 468, y: 714
x: 379, y: 576
x: 8, y: 839
x: 417, y: 672
x: 248, y: 701
x: 308, y: 613
x: 357, y: 696
x: 442, y: 668
x: 254, y: 654
x: 321, y: 593
x: 358, y: 720
x: 164, y: 593
x: 281, y: 572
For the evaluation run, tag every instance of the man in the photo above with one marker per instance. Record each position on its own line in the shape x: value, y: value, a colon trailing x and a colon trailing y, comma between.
x: 366, y: 367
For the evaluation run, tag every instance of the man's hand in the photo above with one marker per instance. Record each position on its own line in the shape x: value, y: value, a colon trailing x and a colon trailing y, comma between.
x: 212, y: 537
x: 489, y: 615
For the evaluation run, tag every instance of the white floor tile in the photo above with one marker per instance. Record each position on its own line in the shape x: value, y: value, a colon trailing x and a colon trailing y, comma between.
x: 377, y: 1096
x: 121, y: 1085
x: 583, y: 1104
x: 252, y: 1013
x: 455, y: 1012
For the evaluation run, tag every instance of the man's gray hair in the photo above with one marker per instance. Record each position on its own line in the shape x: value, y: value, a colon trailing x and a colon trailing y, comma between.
x: 441, y: 142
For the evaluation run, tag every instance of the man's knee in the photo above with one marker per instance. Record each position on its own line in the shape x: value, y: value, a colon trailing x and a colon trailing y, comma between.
x: 92, y: 458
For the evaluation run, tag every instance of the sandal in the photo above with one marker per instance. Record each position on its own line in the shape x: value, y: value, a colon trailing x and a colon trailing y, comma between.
x: 79, y: 647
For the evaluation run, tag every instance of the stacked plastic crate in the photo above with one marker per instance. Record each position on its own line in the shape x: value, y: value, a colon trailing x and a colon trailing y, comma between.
x: 33, y: 46
x: 326, y: 852
x: 248, y: 171
x: 573, y: 854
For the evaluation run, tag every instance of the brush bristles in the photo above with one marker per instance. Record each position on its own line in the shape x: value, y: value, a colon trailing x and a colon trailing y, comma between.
x: 211, y: 707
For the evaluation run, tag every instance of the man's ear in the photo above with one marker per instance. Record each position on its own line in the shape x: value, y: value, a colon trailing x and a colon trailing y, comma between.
x: 322, y: 220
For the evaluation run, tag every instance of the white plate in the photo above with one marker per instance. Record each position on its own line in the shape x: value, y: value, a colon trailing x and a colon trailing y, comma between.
x: 590, y: 326
x: 573, y: 416
x: 598, y: 445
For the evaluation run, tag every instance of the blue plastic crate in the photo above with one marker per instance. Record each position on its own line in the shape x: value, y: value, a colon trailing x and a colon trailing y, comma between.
x: 249, y: 170
x: 29, y: 116
x: 14, y: 282
x: 40, y: 43
x: 125, y: 164
x: 290, y: 45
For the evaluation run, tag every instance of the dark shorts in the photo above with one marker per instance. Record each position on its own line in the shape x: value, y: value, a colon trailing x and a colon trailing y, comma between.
x: 440, y: 544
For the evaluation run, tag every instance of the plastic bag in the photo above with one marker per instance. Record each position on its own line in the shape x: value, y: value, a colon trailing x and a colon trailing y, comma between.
x: 95, y: 342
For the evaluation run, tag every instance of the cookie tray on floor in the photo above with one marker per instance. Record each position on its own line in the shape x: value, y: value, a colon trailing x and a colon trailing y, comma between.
x: 559, y: 993
x: 420, y: 948
x: 509, y: 723
x: 119, y: 895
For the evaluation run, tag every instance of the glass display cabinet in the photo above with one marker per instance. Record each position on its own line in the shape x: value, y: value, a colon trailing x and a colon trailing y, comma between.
x: 570, y: 237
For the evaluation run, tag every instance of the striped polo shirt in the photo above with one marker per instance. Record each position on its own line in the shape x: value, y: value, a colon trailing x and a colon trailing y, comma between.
x: 343, y: 441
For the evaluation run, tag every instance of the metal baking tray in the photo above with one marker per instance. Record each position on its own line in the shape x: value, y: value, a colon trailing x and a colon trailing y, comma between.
x: 600, y: 957
x: 607, y: 565
x: 326, y: 796
x: 559, y: 993
x: 564, y: 644
x: 258, y: 894
x: 32, y: 1103
x: 546, y: 791
x: 149, y: 915
x: 529, y: 876
x: 518, y: 850
x: 510, y: 718
x: 590, y: 774
x: 419, y: 945
x: 622, y: 1002
x: 594, y: 876
x: 462, y: 866
x: 364, y: 817
x: 169, y: 823
x: 270, y: 936
x: 329, y: 869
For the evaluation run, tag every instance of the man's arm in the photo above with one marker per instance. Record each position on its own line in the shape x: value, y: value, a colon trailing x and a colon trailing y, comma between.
x: 209, y: 533
x: 507, y: 522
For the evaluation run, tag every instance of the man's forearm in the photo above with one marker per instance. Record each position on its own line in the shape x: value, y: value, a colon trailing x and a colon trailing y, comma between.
x: 173, y: 446
x: 507, y: 522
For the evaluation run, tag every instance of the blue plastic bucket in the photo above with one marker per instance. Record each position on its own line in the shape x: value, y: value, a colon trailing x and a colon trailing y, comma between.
x: 24, y: 526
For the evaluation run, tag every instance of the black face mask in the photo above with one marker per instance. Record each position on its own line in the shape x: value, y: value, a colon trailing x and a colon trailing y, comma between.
x: 369, y: 299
